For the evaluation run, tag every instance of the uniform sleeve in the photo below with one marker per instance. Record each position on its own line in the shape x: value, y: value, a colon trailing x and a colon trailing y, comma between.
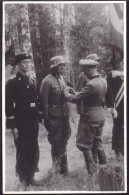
x: 109, y: 98
x: 44, y: 94
x: 40, y: 110
x: 80, y: 96
x: 9, y: 105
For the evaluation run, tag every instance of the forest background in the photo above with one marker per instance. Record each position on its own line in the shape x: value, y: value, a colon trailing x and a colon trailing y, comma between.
x: 73, y: 31
x: 70, y: 30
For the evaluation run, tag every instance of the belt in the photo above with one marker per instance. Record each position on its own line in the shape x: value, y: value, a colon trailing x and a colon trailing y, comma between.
x: 29, y: 105
x: 55, y: 105
x: 92, y: 106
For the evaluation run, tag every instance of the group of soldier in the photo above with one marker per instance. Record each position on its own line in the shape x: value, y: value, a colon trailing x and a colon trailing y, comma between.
x: 26, y: 106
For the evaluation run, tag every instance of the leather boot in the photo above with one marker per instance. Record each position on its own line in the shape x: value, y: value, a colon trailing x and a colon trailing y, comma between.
x: 88, y: 156
x: 95, y: 155
x: 56, y: 154
x: 102, y: 157
x: 64, y: 163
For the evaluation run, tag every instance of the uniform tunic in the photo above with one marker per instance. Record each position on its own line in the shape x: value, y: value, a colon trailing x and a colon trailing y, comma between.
x: 22, y: 113
x: 114, y: 85
x: 91, y: 123
x: 55, y: 110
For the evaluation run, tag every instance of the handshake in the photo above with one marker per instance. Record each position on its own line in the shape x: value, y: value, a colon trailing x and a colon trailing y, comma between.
x: 68, y: 91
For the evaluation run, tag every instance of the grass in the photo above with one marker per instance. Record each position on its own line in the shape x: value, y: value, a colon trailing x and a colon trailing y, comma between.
x: 78, y: 179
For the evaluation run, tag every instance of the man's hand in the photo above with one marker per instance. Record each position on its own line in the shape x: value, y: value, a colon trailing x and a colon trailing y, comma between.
x: 116, y: 73
x: 15, y: 134
x: 114, y: 113
x: 67, y: 94
x: 72, y: 91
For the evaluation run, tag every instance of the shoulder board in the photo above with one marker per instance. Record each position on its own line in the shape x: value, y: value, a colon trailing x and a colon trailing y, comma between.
x: 12, y: 77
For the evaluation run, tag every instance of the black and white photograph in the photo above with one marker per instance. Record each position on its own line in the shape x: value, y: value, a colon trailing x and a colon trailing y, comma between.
x: 64, y: 97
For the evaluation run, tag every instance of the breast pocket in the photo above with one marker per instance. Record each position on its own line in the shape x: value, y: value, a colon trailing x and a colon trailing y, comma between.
x: 56, y: 90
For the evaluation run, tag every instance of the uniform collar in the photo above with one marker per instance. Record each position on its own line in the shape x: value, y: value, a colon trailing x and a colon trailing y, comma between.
x: 21, y: 75
x: 95, y: 76
x: 57, y: 76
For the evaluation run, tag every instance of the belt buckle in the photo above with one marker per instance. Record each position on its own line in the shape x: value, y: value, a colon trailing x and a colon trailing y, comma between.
x: 32, y: 105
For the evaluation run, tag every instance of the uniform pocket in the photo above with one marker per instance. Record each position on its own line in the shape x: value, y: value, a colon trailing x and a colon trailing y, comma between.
x: 56, y: 90
x: 55, y: 111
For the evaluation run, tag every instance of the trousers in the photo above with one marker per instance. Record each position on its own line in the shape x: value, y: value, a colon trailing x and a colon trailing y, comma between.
x: 89, y: 135
x: 27, y: 148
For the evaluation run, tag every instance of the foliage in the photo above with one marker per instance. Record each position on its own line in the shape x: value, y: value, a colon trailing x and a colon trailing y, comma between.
x: 71, y: 30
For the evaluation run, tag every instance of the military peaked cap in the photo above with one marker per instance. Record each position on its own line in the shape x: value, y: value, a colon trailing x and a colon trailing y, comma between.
x: 56, y: 60
x: 21, y: 56
x: 92, y: 57
x: 88, y: 63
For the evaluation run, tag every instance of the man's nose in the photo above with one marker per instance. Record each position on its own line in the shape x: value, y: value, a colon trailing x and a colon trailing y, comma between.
x: 28, y: 63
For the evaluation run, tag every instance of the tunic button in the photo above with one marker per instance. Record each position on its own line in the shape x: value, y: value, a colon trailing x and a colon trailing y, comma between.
x: 27, y: 86
x: 19, y: 79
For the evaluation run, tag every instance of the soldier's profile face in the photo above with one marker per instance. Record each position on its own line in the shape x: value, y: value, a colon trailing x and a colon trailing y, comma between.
x: 24, y: 65
x: 87, y: 72
x: 60, y: 68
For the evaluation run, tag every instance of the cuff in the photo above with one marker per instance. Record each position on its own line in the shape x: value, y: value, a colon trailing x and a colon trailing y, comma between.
x: 10, y: 123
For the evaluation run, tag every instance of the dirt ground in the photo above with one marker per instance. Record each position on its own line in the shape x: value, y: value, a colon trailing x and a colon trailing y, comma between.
x: 78, y: 179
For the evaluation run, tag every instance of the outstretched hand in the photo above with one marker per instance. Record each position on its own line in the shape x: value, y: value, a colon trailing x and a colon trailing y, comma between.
x: 68, y: 91
x: 116, y: 73
x: 72, y: 91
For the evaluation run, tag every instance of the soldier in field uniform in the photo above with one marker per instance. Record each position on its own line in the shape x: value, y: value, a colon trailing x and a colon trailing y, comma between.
x: 92, y: 119
x: 56, y: 114
x: 82, y: 80
x: 115, y: 101
x: 22, y: 118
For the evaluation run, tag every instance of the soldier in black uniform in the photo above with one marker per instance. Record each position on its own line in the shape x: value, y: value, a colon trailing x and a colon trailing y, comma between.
x: 92, y: 120
x: 56, y: 114
x: 22, y: 118
x: 115, y: 101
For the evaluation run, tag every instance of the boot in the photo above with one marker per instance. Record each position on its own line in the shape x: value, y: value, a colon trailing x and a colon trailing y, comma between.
x: 95, y: 155
x: 56, y: 155
x: 102, y: 157
x: 23, y: 180
x: 88, y: 156
x: 64, y: 164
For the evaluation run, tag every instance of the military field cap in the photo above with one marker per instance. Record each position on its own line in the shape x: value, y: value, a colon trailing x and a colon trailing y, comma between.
x: 88, y: 63
x: 56, y: 60
x: 92, y: 57
x: 21, y: 56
